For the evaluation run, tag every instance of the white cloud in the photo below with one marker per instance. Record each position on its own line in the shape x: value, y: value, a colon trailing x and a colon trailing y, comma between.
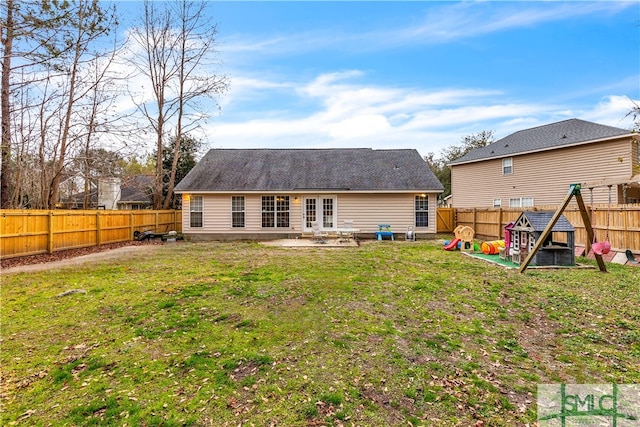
x: 351, y: 114
x: 612, y: 110
x: 365, y: 125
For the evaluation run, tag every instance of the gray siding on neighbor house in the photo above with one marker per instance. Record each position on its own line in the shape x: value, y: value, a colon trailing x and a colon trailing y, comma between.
x: 545, y: 176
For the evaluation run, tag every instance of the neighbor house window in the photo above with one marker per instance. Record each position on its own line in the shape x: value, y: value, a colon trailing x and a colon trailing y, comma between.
x: 422, y: 210
x: 497, y: 203
x: 237, y: 211
x: 195, y: 211
x: 275, y: 211
x: 521, y: 202
x: 507, y: 166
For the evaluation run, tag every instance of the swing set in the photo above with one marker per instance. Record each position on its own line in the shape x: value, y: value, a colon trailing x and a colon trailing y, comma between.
x: 574, y: 191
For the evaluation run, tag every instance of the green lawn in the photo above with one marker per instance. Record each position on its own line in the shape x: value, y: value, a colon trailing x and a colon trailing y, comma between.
x: 388, y: 333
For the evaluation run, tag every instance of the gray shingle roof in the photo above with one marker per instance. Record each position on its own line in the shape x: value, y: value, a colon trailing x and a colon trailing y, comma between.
x: 554, y: 135
x: 540, y: 219
x: 358, y: 169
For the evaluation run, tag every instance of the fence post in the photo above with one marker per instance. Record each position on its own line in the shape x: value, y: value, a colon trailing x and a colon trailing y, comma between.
x: 50, y: 234
x: 157, y: 221
x: 474, y: 220
x: 500, y: 223
x: 98, y: 230
x: 131, y: 224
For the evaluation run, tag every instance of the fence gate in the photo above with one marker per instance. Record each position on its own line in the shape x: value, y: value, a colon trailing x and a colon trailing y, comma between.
x: 446, y: 220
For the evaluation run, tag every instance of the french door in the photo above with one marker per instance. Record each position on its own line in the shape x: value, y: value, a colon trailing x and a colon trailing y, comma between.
x: 321, y: 209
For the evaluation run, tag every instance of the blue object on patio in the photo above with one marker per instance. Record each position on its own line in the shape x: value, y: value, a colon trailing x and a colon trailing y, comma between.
x: 384, y: 230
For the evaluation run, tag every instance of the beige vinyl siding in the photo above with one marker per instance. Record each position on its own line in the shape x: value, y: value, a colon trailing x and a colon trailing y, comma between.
x: 544, y: 176
x: 366, y: 210
x: 370, y: 210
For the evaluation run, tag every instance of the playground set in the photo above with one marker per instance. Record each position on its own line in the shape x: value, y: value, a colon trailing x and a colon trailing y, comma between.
x: 540, y: 238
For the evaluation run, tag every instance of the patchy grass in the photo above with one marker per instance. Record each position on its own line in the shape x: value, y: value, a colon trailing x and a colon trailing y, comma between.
x: 389, y: 333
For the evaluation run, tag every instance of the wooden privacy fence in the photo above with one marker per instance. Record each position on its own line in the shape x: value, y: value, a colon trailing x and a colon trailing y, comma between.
x: 30, y: 232
x: 619, y: 224
x: 446, y: 220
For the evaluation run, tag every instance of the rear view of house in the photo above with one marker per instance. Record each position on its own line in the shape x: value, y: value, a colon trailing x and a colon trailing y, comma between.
x: 534, y: 167
x: 278, y: 193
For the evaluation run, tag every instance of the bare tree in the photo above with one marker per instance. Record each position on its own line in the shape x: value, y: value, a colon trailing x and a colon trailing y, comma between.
x: 177, y: 50
x: 6, y: 34
x: 90, y: 23
x: 42, y: 91
x: 31, y: 24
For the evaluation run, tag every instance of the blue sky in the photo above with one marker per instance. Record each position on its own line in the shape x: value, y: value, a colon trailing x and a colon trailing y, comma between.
x: 419, y: 74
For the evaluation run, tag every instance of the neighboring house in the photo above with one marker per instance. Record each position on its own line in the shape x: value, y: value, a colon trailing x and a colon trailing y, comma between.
x: 534, y: 167
x: 278, y: 193
x: 129, y: 193
x: 135, y: 192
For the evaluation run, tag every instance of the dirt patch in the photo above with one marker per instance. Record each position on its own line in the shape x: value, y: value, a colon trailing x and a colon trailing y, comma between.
x: 40, y: 262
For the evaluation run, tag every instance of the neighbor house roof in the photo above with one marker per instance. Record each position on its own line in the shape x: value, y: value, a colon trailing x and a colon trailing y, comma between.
x: 547, y: 137
x: 137, y: 189
x: 538, y: 221
x: 358, y: 169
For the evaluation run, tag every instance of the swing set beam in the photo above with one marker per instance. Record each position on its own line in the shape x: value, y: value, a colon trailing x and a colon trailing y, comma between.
x: 574, y: 191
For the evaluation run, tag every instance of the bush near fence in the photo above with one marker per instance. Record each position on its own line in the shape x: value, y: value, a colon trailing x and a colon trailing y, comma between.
x: 31, y: 232
x: 619, y: 224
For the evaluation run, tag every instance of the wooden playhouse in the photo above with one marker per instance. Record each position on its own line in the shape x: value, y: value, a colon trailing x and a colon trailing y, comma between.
x: 558, y: 247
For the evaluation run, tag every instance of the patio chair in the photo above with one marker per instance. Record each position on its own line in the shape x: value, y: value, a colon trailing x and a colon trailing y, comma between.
x: 319, y: 236
x: 346, y: 234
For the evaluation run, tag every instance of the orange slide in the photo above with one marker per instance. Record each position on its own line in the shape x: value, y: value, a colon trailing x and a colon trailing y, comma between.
x: 453, y: 244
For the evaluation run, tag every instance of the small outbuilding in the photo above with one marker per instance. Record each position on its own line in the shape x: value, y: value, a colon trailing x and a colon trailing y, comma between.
x: 557, y: 249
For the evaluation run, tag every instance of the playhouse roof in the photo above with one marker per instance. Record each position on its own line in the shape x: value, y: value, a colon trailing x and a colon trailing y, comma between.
x: 538, y: 221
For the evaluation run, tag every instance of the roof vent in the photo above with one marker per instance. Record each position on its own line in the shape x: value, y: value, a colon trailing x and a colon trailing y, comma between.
x: 564, y: 136
x: 506, y: 145
x: 491, y: 151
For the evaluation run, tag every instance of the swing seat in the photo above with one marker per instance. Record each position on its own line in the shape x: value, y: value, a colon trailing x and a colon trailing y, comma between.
x: 601, y: 248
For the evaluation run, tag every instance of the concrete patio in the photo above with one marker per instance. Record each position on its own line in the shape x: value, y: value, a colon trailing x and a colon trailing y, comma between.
x: 330, y: 242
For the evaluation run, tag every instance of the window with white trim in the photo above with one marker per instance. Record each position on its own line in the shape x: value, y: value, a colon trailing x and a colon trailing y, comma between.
x: 521, y: 202
x: 507, y: 166
x: 422, y: 210
x: 237, y: 211
x: 196, y: 211
x: 497, y: 203
x: 275, y: 211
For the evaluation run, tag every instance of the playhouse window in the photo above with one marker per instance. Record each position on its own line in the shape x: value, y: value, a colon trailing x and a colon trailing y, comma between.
x: 195, y: 211
x: 237, y: 211
x: 507, y: 166
x: 275, y: 211
x: 422, y: 210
